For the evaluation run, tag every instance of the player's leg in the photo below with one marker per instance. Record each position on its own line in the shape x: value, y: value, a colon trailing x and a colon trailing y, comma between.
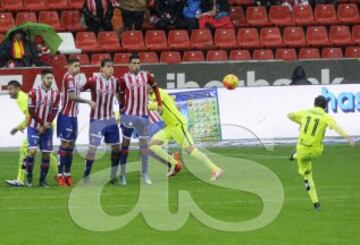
x: 124, y: 151
x: 46, y: 147
x: 142, y: 128
x: 33, y: 140
x: 112, y: 137
x: 20, y: 179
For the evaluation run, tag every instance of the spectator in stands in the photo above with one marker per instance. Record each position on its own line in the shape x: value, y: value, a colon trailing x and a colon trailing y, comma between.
x: 17, y: 51
x: 191, y: 12
x: 168, y: 13
x: 268, y: 3
x: 299, y: 77
x: 133, y: 12
x: 215, y: 14
x: 292, y: 3
x: 98, y: 14
x: 43, y: 52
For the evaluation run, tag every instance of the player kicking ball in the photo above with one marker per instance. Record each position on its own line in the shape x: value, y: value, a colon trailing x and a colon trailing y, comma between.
x: 176, y: 129
x: 313, y: 123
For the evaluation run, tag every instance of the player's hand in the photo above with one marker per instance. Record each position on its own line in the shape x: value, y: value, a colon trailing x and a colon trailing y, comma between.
x: 41, y: 130
x: 47, y: 125
x: 160, y: 109
x: 351, y: 141
x: 92, y: 104
x: 13, y: 131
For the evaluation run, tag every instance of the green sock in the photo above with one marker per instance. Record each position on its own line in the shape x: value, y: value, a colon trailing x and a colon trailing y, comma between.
x: 311, y: 188
x: 158, y: 150
x: 203, y: 158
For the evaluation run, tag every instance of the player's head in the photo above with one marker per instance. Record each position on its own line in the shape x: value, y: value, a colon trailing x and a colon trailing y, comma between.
x: 107, y: 67
x: 13, y: 87
x: 47, y: 78
x: 73, y: 66
x: 321, y: 102
x: 134, y: 63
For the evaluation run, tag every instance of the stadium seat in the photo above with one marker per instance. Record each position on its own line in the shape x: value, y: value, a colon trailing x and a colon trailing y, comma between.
x: 257, y: 16
x: 133, y: 41
x: 97, y: 58
x: 12, y: 5
x: 179, y: 40
x: 148, y: 57
x: 355, y: 36
x: 263, y: 54
x: 71, y: 21
x: 248, y: 38
x: 280, y: 16
x: 294, y: 37
x: 6, y: 22
x: 348, y: 13
x: 225, y: 38
x: 68, y: 44
x: 170, y: 57
x: 216, y: 55
x: 156, y: 40
x: 50, y: 18
x: 240, y: 55
x: 57, y: 4
x: 78, y: 4
x: 340, y: 35
x: 193, y: 56
x: 83, y: 58
x: 58, y: 61
x: 122, y: 58
x: 325, y: 14
x: 34, y: 5
x: 352, y: 52
x: 241, y: 2
x: 237, y: 16
x: 309, y: 54
x: 270, y: 37
x: 108, y: 41
x: 87, y: 42
x: 285, y: 54
x: 331, y: 53
x: 303, y: 15
x: 201, y: 39
x: 317, y: 36
x: 22, y: 17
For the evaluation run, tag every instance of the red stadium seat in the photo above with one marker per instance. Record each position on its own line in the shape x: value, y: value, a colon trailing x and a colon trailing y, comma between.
x: 71, y: 20
x: 193, y: 56
x: 216, y: 55
x: 170, y: 57
x: 325, y: 14
x: 317, y: 36
x: 58, y: 61
x: 109, y: 41
x: 87, y: 42
x: 352, y: 52
x: 285, y: 54
x: 133, y: 41
x: 156, y: 40
x: 225, y: 38
x: 12, y: 5
x: 241, y: 2
x: 248, y: 38
x: 97, y: 58
x: 34, y: 5
x: 201, y: 39
x: 240, y: 55
x: 78, y: 4
x: 83, y: 58
x: 355, y: 36
x: 280, y: 16
x: 348, y: 13
x: 340, y: 35
x: 263, y: 54
x: 331, y: 53
x: 179, y: 40
x: 6, y: 22
x: 50, y: 18
x: 270, y: 37
x: 303, y: 15
x: 56, y: 4
x: 294, y: 37
x: 148, y: 57
x: 309, y: 54
x: 122, y: 58
x: 237, y: 16
x: 257, y: 16
x: 22, y: 17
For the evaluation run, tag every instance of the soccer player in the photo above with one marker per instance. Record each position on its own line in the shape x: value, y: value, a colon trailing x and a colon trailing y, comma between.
x: 134, y: 113
x: 313, y: 123
x: 103, y: 88
x: 176, y: 129
x: 43, y: 107
x: 67, y: 127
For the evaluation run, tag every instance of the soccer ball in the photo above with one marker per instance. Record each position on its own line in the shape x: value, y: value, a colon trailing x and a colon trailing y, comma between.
x: 230, y: 81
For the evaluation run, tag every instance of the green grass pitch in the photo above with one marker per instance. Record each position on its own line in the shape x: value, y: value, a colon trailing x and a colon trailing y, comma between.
x: 41, y: 216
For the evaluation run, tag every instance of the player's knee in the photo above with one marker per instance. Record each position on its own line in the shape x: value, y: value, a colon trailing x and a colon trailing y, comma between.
x: 307, y: 172
x: 32, y: 152
x: 46, y: 155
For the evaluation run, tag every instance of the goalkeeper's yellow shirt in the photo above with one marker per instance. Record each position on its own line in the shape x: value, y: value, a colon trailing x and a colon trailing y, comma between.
x: 171, y: 114
x: 22, y: 102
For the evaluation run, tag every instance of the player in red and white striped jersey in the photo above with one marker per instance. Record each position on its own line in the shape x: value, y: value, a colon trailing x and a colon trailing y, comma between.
x: 103, y: 88
x: 67, y: 126
x: 134, y: 113
x: 43, y: 107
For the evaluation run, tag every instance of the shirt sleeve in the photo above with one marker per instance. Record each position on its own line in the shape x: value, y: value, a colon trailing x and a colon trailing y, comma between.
x: 296, y: 116
x: 70, y: 84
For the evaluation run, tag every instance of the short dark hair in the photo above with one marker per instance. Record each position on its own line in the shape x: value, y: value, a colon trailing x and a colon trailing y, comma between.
x: 105, y: 61
x: 321, y: 101
x: 133, y: 56
x: 14, y: 83
x: 46, y: 71
x: 72, y: 61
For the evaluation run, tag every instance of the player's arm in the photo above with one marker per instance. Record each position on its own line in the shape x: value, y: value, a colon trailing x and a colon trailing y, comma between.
x: 340, y: 131
x: 31, y: 108
x: 155, y: 88
x: 78, y: 99
x: 295, y: 116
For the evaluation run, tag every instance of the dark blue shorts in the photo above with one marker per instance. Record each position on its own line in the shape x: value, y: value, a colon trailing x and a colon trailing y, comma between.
x: 67, y: 128
x: 104, y: 129
x: 138, y: 123
x: 44, y: 140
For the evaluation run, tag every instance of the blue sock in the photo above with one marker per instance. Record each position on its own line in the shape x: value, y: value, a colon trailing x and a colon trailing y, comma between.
x: 115, y: 158
x: 88, y: 167
x: 29, y: 161
x: 62, y: 159
x: 123, y: 158
x: 68, y: 161
x: 44, y: 169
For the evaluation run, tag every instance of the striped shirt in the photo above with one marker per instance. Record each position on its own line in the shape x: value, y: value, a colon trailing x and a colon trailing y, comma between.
x: 154, y: 116
x: 70, y: 83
